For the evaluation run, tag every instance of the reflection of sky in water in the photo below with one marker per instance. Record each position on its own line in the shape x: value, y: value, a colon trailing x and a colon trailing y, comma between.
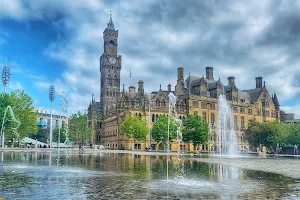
x: 58, y: 175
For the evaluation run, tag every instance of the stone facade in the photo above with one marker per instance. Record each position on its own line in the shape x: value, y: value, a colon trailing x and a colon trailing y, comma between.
x: 195, y: 95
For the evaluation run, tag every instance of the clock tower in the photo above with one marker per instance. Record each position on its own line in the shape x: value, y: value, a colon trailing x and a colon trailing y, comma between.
x: 110, y: 68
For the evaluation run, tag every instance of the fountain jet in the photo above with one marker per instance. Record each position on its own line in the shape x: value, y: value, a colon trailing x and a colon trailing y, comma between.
x: 227, y: 139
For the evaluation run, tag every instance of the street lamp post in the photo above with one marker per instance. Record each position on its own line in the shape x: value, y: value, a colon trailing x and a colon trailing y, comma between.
x: 149, y: 132
x: 51, y: 98
x: 5, y: 82
x: 63, y: 109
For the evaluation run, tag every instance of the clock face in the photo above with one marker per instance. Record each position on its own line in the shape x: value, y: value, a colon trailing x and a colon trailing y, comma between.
x: 112, y: 60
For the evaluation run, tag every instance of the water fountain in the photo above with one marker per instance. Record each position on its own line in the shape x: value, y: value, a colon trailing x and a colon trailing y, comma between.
x: 2, y: 133
x: 227, y: 139
x: 173, y: 115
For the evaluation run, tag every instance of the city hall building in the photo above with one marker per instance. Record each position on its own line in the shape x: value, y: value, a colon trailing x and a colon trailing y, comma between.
x: 195, y: 95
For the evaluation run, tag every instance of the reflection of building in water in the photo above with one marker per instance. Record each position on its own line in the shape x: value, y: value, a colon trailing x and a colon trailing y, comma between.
x: 195, y: 95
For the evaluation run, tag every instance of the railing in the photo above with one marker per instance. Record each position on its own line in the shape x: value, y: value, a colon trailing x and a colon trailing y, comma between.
x: 42, y: 123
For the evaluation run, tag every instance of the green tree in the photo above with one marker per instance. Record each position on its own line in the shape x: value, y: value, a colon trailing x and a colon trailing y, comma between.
x: 62, y: 134
x: 42, y: 135
x: 159, y: 130
x: 134, y: 127
x: 268, y: 134
x: 79, y: 131
x: 293, y: 137
x: 195, y: 130
x: 21, y: 105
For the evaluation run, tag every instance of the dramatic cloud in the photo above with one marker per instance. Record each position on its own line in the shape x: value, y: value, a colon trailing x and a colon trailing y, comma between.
x: 257, y: 38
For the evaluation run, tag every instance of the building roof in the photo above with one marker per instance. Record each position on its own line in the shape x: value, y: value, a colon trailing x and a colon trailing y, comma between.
x: 275, y: 100
x: 254, y: 93
x: 48, y: 115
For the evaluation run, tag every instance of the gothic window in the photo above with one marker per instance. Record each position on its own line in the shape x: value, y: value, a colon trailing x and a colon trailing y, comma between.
x: 250, y: 111
x: 163, y: 103
x: 242, y: 110
x: 180, y: 117
x: 157, y: 102
x: 258, y: 112
x: 153, y: 117
x: 137, y: 102
x: 263, y: 103
x: 108, y: 79
x: 156, y: 116
x: 212, y: 118
x: 115, y: 80
x: 212, y: 106
x: 235, y: 121
x: 235, y: 109
x: 112, y: 42
x: 242, y: 122
x: 183, y: 118
x: 195, y: 104
x: 140, y: 115
x: 181, y: 105
x: 203, y: 105
x: 204, y: 116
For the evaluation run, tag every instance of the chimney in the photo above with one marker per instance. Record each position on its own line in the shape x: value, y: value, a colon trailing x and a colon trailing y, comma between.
x: 180, y: 73
x: 131, y: 89
x: 141, y: 87
x: 209, y: 73
x: 231, y: 80
x: 169, y: 88
x: 258, y: 81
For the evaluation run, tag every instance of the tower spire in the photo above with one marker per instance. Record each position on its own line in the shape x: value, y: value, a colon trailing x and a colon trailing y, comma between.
x: 110, y: 25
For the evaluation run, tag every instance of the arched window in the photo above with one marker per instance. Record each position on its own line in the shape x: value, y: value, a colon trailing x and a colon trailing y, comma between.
x: 157, y: 102
x: 212, y: 118
x: 183, y: 118
x: 153, y: 117
x: 204, y: 116
x: 140, y: 115
x: 242, y: 122
x: 163, y: 103
x: 181, y: 105
x: 115, y: 80
x: 156, y: 116
x: 180, y: 117
x: 235, y: 120
x: 109, y: 79
x: 112, y: 42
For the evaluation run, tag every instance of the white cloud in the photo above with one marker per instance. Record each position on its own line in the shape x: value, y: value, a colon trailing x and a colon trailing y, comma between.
x: 154, y: 43
x: 14, y: 85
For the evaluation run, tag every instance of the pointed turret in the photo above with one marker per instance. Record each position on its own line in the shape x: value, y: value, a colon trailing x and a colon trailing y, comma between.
x: 275, y: 100
x: 110, y: 24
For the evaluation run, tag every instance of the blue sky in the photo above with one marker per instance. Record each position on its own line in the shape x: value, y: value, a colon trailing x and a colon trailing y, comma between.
x: 61, y: 41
